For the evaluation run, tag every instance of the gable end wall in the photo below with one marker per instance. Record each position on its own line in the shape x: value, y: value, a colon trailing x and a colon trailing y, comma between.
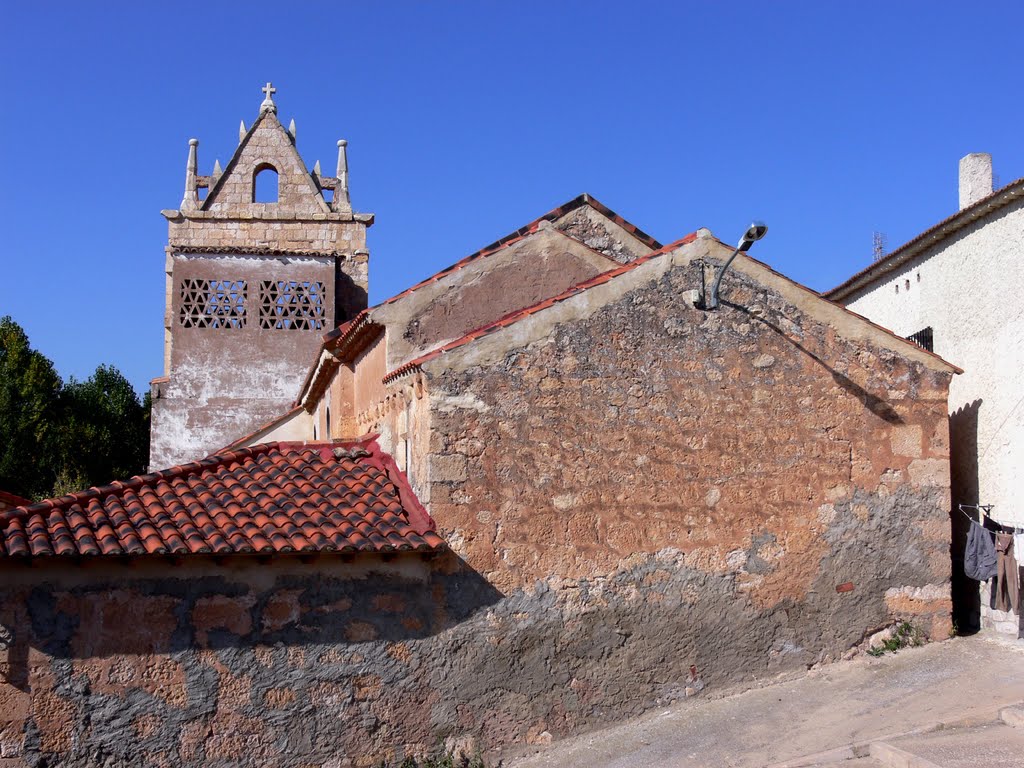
x: 667, y: 487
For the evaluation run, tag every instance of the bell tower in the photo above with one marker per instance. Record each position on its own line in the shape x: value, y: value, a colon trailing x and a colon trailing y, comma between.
x: 263, y: 257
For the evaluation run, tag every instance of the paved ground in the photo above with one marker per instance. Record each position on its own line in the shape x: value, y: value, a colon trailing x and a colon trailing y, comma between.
x: 834, y: 712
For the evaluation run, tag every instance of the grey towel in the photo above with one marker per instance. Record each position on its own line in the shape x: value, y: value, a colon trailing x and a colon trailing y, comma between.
x: 980, y: 554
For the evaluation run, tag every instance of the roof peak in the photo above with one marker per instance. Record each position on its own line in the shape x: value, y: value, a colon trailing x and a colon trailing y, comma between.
x: 268, y: 104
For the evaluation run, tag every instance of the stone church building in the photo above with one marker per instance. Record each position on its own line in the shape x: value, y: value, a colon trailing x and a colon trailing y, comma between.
x: 545, y: 489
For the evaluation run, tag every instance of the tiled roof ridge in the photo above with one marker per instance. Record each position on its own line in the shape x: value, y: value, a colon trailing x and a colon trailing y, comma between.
x: 423, y: 521
x: 339, y: 338
x: 135, y: 482
x: 251, y: 251
x: 519, y: 314
x: 339, y: 341
x: 13, y: 499
x: 929, y: 237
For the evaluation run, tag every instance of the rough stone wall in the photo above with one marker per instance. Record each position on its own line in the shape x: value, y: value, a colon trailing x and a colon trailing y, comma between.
x: 642, y: 490
x: 329, y: 663
x: 597, y: 231
x: 744, y: 491
x: 541, y: 265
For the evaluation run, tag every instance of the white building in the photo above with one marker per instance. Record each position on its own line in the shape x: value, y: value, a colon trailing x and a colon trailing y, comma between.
x: 956, y: 289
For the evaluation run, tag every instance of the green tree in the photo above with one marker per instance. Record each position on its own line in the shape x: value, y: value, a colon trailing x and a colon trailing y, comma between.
x: 103, y: 433
x: 57, y: 438
x: 29, y: 395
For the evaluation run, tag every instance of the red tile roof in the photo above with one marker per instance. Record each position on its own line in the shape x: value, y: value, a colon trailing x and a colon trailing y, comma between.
x: 10, y: 500
x: 272, y: 498
x: 519, y: 314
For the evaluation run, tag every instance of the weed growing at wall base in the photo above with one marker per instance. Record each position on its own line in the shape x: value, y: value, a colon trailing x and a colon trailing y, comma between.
x: 906, y: 635
x: 445, y: 761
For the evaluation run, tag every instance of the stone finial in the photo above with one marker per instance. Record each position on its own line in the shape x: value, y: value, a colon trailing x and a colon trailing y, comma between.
x: 241, y: 130
x: 268, y: 104
x: 191, y: 199
x: 975, y: 178
x: 217, y: 171
x: 291, y: 129
x: 316, y: 168
x: 341, y: 198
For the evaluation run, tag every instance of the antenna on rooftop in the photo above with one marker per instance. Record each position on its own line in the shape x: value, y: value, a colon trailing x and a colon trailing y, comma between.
x: 879, y: 245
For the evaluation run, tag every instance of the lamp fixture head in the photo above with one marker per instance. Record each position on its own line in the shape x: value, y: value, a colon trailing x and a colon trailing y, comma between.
x: 755, y: 232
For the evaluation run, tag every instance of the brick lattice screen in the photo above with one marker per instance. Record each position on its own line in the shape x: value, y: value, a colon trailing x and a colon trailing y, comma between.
x: 292, y: 305
x: 212, y: 303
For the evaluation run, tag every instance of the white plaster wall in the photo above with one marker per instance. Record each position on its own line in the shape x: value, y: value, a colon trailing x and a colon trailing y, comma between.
x: 968, y: 288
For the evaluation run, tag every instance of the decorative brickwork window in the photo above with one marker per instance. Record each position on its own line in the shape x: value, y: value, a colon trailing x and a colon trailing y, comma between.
x: 296, y: 305
x: 212, y: 303
x: 923, y: 339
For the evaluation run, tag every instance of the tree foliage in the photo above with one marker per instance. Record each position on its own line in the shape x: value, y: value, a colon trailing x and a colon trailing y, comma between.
x: 58, y: 437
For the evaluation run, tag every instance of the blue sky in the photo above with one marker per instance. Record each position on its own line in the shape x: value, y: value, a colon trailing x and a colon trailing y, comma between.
x: 466, y: 120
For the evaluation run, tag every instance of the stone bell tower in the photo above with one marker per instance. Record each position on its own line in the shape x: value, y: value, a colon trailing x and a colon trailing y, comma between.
x: 258, y: 269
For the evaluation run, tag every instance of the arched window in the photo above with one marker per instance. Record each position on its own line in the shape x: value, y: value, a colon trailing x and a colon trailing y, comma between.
x: 264, y: 184
x: 328, y: 422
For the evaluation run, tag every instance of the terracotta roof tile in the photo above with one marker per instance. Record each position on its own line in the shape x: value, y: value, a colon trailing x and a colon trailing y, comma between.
x: 10, y: 500
x: 273, y: 498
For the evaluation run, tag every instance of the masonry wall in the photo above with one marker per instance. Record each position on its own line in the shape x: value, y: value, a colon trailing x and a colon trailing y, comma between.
x: 543, y: 264
x: 227, y: 381
x: 222, y: 383
x: 632, y: 488
x: 966, y: 289
x: 597, y: 231
x: 242, y: 663
x: 745, y: 491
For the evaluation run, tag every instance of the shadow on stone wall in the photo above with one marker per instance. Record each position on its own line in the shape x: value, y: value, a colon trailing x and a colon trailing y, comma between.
x: 875, y: 404
x: 242, y: 609
x: 349, y: 297
x: 242, y: 664
x: 963, y: 451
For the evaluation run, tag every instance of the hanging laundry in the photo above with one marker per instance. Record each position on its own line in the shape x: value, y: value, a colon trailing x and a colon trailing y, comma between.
x: 980, y: 554
x: 1006, y: 573
x: 1020, y: 606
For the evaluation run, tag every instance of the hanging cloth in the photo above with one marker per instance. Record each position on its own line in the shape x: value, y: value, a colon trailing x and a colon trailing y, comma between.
x: 1006, y: 570
x: 980, y: 554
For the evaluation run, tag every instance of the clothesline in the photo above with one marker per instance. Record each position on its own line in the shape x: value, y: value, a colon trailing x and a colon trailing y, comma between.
x: 986, y: 509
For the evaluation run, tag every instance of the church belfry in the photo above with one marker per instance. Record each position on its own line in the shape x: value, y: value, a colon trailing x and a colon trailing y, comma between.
x: 263, y: 258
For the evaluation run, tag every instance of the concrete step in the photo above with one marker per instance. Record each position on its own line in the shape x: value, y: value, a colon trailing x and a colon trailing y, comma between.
x: 993, y: 745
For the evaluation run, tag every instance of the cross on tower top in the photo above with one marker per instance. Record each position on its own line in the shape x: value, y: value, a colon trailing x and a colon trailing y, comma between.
x: 268, y: 102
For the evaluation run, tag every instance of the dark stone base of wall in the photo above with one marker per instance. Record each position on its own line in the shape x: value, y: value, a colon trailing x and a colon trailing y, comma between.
x: 332, y: 663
